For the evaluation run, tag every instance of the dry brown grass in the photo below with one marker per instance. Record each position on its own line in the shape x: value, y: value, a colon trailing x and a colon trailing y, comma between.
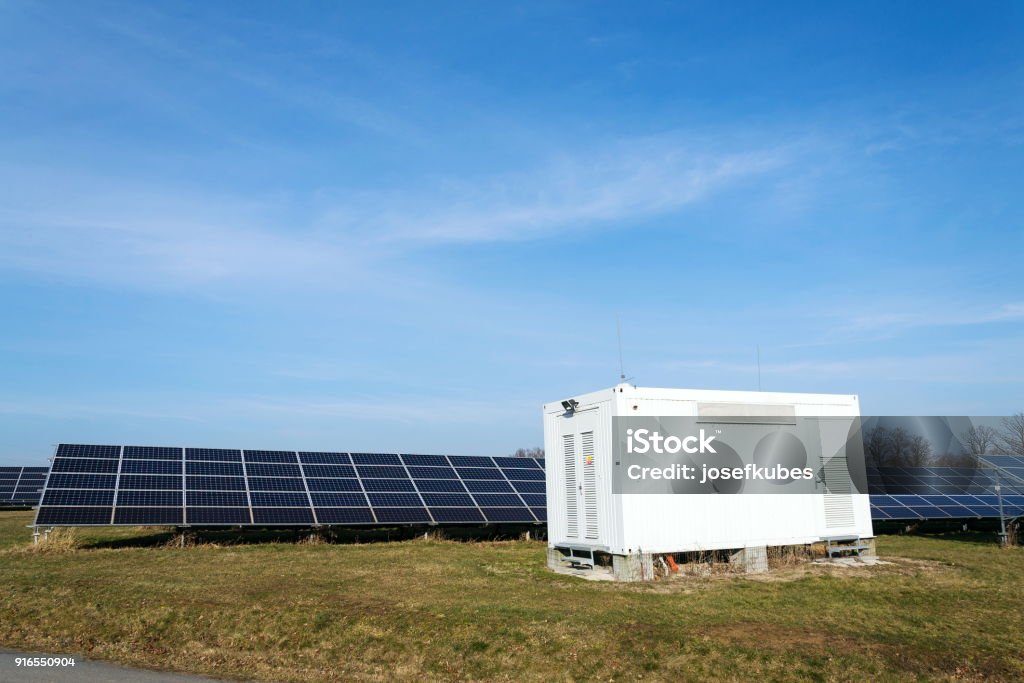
x: 438, y: 609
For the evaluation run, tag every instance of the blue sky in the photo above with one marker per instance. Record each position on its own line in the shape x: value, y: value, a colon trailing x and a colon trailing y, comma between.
x: 405, y: 227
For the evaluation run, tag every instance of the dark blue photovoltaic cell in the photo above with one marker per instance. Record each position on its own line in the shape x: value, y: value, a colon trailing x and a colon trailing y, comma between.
x: 353, y: 515
x: 345, y: 471
x: 498, y: 500
x: 402, y: 515
x: 394, y: 500
x: 535, y: 499
x: 541, y: 513
x: 217, y: 515
x: 259, y: 469
x: 282, y: 515
x: 381, y: 472
x: 376, y: 459
x: 432, y: 473
x: 10, y: 470
x: 333, y: 484
x: 36, y: 470
x: 324, y: 458
x: 218, y: 454
x: 275, y: 484
x: 519, y: 514
x: 92, y: 465
x: 516, y: 462
x: 471, y: 461
x: 149, y: 481
x: 152, y: 453
x: 448, y: 500
x: 271, y: 456
x: 217, y: 498
x: 84, y: 451
x: 215, y: 483
x: 158, y: 516
x: 149, y: 498
x: 279, y: 499
x: 440, y: 485
x: 78, y: 516
x: 350, y: 499
x: 151, y: 467
x: 479, y: 473
x: 397, y: 485
x: 485, y: 486
x: 523, y: 475
x: 452, y: 515
x: 81, y: 481
x: 220, y: 469
x: 413, y: 460
x: 78, y: 497
x: 530, y: 486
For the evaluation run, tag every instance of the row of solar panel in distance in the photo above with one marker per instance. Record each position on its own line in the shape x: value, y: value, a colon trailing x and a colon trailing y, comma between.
x: 354, y: 488
x: 960, y: 506
x: 937, y: 481
x: 21, y: 485
x: 1008, y: 464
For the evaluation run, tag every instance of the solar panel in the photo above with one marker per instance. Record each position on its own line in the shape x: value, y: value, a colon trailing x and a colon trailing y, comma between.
x: 324, y: 458
x: 218, y: 515
x: 22, y: 485
x: 271, y: 456
x: 920, y: 493
x: 153, y: 485
x: 329, y: 515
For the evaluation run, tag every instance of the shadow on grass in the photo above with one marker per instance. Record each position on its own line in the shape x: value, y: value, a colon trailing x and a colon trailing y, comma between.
x: 152, y: 537
x: 978, y: 532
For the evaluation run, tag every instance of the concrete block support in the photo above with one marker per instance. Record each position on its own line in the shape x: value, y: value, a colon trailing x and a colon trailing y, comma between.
x: 753, y: 559
x: 635, y: 567
x: 556, y: 559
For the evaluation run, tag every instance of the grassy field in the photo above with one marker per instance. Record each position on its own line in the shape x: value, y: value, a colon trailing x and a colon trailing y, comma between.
x: 945, y: 609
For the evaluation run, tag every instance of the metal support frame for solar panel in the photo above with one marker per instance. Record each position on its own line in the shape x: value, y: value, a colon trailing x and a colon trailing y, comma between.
x: 305, y: 485
x: 248, y: 493
x: 221, y: 475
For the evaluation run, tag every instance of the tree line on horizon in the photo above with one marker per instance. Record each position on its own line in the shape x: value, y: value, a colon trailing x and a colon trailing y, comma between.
x: 897, y: 447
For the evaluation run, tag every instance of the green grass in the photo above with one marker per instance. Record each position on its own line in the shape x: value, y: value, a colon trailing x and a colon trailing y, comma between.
x: 950, y: 609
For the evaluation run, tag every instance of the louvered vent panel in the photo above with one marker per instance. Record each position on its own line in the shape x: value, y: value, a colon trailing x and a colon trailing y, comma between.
x: 589, y: 486
x: 571, y: 509
x: 838, y: 490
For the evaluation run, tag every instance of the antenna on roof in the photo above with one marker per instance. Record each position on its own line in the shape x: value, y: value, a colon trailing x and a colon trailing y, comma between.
x: 618, y: 331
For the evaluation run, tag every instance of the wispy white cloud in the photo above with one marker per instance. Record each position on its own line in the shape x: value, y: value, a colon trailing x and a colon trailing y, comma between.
x: 131, y: 233
x: 628, y: 180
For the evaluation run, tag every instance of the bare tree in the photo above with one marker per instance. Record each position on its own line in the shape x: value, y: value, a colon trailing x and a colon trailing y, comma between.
x: 529, y: 453
x: 897, y: 448
x: 1011, y: 435
x: 876, y: 445
x: 979, y: 440
x: 918, y: 452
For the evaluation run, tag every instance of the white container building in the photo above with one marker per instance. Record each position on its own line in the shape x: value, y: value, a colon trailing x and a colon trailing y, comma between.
x: 587, y: 519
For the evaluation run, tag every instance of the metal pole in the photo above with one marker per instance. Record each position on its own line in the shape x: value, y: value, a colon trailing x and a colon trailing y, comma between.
x: 1002, y: 516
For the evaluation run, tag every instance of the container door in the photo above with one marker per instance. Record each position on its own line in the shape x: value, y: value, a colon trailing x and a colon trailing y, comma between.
x: 579, y: 463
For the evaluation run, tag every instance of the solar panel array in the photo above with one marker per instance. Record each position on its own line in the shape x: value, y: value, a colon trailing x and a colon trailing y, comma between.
x: 909, y: 493
x: 1012, y: 465
x: 21, y: 485
x: 152, y: 485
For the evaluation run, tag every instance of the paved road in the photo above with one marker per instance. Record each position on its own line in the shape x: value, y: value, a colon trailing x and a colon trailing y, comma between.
x: 84, y: 671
